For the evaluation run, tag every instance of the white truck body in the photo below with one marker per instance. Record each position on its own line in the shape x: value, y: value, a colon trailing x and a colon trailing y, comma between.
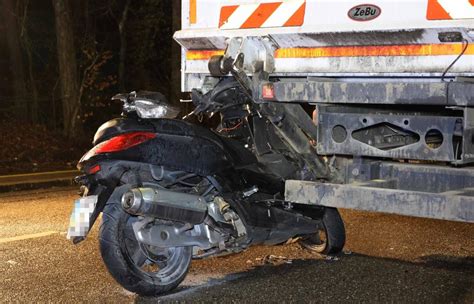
x: 391, y: 82
x: 331, y: 38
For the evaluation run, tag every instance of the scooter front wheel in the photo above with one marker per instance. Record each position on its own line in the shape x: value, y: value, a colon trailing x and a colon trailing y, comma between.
x: 330, y: 239
x: 139, y: 268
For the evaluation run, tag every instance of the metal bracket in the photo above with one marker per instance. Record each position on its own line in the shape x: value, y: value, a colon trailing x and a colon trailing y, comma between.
x: 429, y: 191
x: 251, y: 54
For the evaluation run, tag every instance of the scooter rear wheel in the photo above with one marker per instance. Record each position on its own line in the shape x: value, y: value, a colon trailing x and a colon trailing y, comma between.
x: 139, y: 268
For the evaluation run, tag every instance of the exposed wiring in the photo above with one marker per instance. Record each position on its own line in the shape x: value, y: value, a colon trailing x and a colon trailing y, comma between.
x: 181, y: 180
x: 457, y: 58
x: 231, y: 128
x: 208, y: 190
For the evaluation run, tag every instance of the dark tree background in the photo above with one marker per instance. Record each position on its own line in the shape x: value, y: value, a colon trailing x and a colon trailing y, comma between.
x: 62, y: 60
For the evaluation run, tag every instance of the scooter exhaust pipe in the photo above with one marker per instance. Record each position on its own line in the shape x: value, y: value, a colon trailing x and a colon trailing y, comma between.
x: 165, y: 204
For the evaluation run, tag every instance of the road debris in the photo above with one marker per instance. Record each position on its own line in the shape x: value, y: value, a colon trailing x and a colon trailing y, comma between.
x: 331, y: 258
x: 274, y: 260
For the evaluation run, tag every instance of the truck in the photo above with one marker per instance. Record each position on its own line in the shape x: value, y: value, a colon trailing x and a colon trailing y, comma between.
x: 390, y: 85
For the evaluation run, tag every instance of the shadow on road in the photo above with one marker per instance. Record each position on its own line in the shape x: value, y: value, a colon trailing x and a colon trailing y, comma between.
x: 465, y: 264
x: 359, y: 278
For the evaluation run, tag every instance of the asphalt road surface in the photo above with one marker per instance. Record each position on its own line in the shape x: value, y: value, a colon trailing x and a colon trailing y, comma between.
x: 387, y: 259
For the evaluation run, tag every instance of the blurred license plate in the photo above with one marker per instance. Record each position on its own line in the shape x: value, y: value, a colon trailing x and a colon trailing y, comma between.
x: 79, y: 223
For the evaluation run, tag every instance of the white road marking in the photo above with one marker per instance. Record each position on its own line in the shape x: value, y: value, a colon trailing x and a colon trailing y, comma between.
x: 27, y: 236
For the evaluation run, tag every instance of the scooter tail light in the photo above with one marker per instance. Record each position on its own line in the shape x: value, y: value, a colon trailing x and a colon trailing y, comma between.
x: 118, y: 143
x: 123, y: 142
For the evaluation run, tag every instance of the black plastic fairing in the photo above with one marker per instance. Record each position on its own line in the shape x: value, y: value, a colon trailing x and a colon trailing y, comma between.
x: 178, y: 145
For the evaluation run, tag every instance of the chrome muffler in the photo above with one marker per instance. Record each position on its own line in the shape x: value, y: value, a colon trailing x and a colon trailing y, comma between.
x: 165, y: 204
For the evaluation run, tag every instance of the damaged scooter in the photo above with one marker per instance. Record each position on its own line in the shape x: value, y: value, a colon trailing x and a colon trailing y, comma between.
x: 171, y: 191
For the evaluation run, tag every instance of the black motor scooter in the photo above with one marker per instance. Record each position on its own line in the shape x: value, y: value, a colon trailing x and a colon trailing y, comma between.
x: 171, y: 191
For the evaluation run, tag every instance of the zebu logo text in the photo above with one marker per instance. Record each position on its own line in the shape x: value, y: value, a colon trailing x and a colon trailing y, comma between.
x: 364, y: 12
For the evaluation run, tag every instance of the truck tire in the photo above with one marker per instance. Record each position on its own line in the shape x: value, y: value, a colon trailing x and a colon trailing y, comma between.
x: 330, y: 239
x: 131, y: 263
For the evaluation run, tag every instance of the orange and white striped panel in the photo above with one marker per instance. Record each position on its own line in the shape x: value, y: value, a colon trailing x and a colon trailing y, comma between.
x: 354, y: 51
x: 450, y: 9
x: 281, y: 13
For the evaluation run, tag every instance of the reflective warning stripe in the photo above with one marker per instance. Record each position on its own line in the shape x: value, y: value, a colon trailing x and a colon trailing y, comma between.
x: 353, y: 51
x: 192, y: 12
x: 450, y: 9
x: 270, y: 14
x: 365, y: 51
x: 202, y: 54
